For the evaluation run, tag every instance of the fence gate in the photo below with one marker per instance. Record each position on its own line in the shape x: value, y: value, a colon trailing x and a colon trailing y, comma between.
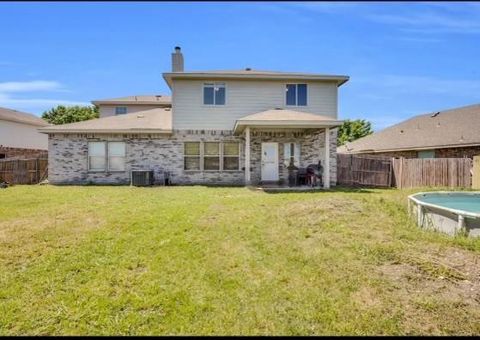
x: 23, y: 171
x: 359, y: 170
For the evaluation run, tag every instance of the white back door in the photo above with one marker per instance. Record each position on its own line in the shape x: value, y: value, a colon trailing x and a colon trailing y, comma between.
x: 270, y: 162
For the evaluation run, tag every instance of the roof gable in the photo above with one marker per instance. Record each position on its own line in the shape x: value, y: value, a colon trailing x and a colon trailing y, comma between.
x: 160, y: 100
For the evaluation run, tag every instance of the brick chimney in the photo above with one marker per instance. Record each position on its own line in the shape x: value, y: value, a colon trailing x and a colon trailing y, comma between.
x: 177, y: 60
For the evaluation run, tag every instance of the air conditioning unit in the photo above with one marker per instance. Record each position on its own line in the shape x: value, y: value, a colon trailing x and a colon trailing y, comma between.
x: 141, y: 178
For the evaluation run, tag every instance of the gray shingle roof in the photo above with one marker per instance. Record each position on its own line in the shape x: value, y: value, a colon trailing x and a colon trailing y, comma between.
x: 162, y: 100
x: 285, y: 118
x: 21, y: 117
x: 149, y: 121
x: 449, y: 128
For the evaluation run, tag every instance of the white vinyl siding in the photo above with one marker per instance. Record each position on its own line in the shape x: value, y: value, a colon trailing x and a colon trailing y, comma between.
x: 109, y: 110
x: 20, y: 135
x: 244, y: 97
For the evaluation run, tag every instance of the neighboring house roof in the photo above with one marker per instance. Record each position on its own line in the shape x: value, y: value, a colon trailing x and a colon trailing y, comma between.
x: 157, y: 120
x: 21, y: 117
x: 139, y: 100
x: 252, y: 74
x: 449, y: 128
x: 285, y: 118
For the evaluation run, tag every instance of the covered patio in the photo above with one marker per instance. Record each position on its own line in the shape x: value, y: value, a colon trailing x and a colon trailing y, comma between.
x: 277, y: 138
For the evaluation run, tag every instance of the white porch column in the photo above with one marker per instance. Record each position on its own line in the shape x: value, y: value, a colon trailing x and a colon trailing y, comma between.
x: 247, y: 155
x: 326, y: 170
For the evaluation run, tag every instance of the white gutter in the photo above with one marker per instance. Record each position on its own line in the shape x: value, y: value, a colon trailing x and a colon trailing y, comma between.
x: 303, y: 124
x: 287, y: 76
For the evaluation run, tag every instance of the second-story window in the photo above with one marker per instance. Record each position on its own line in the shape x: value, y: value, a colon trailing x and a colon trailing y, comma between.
x: 214, y: 94
x: 120, y: 110
x: 296, y: 94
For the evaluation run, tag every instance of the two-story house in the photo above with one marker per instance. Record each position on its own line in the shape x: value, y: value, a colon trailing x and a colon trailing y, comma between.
x: 219, y: 127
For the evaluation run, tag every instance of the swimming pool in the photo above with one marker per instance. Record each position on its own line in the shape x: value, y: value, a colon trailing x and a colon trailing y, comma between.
x: 447, y: 211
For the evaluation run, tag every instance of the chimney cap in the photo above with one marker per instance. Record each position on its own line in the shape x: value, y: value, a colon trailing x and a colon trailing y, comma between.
x: 177, y: 48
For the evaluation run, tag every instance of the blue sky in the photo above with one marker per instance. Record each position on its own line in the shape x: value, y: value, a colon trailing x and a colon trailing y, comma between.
x: 403, y: 58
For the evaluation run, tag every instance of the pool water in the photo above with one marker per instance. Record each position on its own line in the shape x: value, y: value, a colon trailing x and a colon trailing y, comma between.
x: 469, y: 202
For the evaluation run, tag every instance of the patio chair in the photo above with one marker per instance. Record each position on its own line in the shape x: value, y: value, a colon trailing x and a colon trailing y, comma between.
x: 302, y: 176
x: 314, y: 174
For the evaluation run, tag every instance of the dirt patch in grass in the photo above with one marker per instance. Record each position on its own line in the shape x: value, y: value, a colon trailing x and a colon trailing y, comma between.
x: 428, y: 285
x: 318, y: 211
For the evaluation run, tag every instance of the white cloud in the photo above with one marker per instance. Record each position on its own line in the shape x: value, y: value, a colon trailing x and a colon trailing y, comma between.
x: 29, y: 86
x: 37, y: 102
x: 460, y: 18
x: 421, y: 22
x: 10, y: 91
x: 422, y: 17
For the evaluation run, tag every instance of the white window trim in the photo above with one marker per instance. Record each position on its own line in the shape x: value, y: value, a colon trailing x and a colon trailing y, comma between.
x: 200, y: 156
x: 214, y: 83
x: 221, y: 155
x: 106, y: 156
x: 237, y: 156
x: 124, y: 157
x: 296, y: 94
x: 88, y: 156
x: 220, y: 147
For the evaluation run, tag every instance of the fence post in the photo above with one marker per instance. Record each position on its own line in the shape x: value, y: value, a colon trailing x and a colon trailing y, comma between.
x: 37, y: 171
x: 476, y: 173
x: 400, y: 173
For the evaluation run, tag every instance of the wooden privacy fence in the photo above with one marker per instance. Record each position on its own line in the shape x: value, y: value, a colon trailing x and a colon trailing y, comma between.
x: 375, y: 171
x: 434, y: 172
x: 23, y: 171
x: 359, y: 170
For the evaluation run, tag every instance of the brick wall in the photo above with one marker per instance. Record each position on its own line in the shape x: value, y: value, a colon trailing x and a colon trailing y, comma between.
x: 68, y: 156
x: 7, y: 152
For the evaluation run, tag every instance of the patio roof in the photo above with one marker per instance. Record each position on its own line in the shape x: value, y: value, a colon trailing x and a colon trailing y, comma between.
x: 281, y: 118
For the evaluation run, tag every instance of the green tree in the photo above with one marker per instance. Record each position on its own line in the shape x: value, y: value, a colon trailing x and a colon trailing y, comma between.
x: 351, y: 130
x: 70, y: 114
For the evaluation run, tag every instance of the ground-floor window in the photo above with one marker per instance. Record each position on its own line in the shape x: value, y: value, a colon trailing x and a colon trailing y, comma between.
x: 212, y: 156
x: 426, y: 154
x: 103, y: 155
x: 116, y: 156
x: 192, y: 156
x: 291, y: 152
x: 231, y: 156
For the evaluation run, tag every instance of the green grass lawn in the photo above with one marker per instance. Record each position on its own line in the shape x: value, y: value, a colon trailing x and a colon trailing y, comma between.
x: 196, y: 260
